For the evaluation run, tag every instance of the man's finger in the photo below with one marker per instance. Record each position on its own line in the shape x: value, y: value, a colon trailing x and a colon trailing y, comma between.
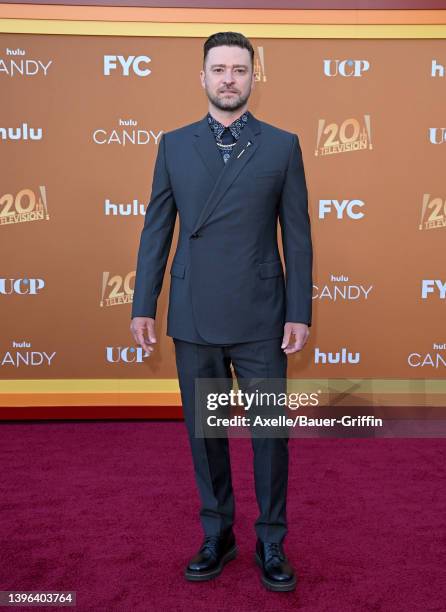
x: 292, y: 348
x: 142, y: 341
x: 151, y: 333
x: 286, y: 338
x: 298, y: 344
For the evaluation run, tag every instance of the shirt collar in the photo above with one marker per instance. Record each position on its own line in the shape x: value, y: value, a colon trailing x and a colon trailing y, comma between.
x: 235, y: 127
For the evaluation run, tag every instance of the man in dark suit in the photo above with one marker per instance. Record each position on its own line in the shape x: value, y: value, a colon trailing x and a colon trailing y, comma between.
x: 230, y: 177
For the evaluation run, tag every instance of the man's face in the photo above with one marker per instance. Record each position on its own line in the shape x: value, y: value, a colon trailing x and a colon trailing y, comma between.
x: 228, y: 77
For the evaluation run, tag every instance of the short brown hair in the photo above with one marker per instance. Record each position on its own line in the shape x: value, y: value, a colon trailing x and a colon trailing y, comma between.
x: 230, y: 39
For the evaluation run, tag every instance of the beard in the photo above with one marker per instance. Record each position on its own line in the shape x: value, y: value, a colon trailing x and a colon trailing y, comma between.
x: 223, y: 103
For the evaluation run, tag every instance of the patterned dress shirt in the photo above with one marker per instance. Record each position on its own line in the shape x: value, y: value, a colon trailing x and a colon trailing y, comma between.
x: 226, y: 137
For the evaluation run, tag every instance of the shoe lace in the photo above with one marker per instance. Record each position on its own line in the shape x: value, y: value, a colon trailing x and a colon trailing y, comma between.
x: 211, y: 543
x: 273, y: 552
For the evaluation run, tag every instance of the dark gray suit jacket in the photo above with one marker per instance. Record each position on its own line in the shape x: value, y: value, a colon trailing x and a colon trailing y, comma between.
x: 227, y: 282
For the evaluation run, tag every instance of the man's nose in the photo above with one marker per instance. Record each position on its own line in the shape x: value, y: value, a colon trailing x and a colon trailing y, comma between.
x: 228, y: 77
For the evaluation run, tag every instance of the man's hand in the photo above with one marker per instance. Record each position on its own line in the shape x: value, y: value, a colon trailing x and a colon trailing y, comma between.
x: 300, y: 332
x: 143, y: 330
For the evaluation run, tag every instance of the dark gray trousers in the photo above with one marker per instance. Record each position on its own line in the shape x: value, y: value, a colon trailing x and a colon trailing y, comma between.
x: 260, y: 359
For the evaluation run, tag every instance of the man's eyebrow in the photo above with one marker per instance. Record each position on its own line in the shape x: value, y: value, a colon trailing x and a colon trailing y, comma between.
x: 234, y: 65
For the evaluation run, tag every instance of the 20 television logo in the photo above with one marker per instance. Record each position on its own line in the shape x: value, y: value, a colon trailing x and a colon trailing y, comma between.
x: 25, y: 205
x: 259, y: 65
x: 433, y: 213
x: 342, y: 137
x: 116, y: 289
x: 124, y: 64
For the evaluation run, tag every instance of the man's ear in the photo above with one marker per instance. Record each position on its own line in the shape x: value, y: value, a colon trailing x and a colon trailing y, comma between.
x: 202, y: 77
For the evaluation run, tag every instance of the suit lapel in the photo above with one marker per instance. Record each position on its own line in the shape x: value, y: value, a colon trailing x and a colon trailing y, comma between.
x: 206, y: 147
x: 224, y: 174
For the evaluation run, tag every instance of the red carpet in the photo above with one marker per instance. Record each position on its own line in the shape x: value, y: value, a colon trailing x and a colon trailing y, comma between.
x: 109, y: 509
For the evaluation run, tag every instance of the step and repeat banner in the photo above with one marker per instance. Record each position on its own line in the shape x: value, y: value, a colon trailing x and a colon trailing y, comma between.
x: 81, y: 121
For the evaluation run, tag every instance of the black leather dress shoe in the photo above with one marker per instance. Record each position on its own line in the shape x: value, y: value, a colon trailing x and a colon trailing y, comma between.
x: 214, y: 553
x: 277, y: 573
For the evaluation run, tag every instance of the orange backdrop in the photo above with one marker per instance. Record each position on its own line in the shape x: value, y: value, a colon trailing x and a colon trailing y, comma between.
x: 79, y: 131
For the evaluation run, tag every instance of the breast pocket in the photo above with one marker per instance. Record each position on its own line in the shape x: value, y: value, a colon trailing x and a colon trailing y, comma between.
x: 268, y: 174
